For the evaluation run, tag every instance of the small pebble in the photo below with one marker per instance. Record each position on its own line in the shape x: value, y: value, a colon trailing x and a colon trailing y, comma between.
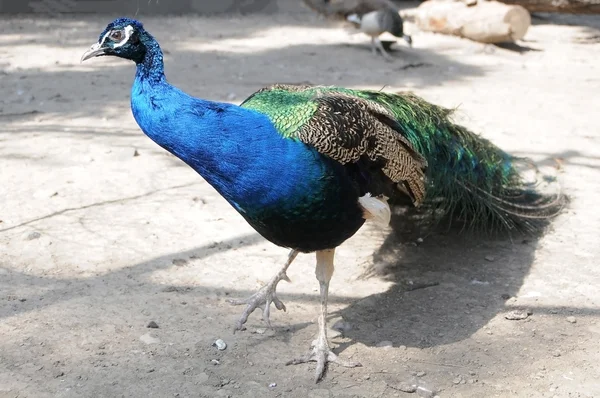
x: 490, y: 258
x: 220, y: 344
x: 148, y: 339
x: 215, y: 362
x: 571, y: 319
x: 180, y: 262
x: 260, y: 331
x: 421, y: 374
x: 272, y: 385
x: 405, y: 387
x: 33, y: 235
x: 556, y: 353
x: 419, y: 240
x: 517, y: 315
x: 457, y: 380
x: 152, y: 325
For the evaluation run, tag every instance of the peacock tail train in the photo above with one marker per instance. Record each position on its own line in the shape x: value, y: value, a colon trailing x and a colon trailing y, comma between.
x: 464, y: 176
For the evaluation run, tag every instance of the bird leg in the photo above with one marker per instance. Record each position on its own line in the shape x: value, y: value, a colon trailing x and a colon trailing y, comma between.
x: 320, y: 351
x: 373, y: 46
x: 265, y: 296
x: 379, y: 46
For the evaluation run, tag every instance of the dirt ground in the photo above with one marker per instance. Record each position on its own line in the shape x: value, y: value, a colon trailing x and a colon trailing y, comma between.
x: 102, y: 231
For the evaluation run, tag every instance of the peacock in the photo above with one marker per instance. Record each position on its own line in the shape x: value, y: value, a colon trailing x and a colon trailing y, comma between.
x: 371, y: 17
x: 307, y: 166
x: 375, y: 23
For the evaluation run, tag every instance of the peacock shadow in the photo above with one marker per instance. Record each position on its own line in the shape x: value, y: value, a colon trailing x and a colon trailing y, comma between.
x: 448, y: 284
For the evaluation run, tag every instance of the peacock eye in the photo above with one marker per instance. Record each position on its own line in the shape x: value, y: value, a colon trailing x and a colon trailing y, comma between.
x: 116, y: 35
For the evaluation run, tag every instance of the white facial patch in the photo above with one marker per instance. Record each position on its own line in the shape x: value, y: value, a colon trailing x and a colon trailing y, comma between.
x: 128, y: 31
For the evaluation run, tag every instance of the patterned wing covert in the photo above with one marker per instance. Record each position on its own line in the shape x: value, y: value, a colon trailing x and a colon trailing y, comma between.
x: 346, y: 127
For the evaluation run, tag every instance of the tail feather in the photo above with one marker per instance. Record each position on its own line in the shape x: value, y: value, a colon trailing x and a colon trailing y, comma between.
x: 469, y: 178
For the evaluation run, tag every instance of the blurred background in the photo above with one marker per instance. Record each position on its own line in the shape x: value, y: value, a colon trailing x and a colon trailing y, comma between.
x: 147, y: 7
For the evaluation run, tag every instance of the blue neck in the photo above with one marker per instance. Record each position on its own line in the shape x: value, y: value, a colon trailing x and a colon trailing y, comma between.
x: 151, y: 66
x: 237, y: 150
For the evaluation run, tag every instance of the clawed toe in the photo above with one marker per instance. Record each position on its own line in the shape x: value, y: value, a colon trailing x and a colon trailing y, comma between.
x: 322, y: 354
x: 261, y: 299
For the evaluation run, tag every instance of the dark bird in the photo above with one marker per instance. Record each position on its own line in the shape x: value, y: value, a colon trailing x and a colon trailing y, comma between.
x: 375, y: 23
x: 371, y: 17
x: 306, y: 166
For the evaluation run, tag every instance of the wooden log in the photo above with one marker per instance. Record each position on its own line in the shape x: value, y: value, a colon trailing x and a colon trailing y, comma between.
x: 484, y: 21
x: 562, y: 6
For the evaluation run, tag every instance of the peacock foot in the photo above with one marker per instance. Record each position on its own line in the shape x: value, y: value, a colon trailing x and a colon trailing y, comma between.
x: 261, y: 299
x: 321, y: 354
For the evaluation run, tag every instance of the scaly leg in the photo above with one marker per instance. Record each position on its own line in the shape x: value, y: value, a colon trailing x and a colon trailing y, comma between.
x: 320, y: 351
x: 265, y: 296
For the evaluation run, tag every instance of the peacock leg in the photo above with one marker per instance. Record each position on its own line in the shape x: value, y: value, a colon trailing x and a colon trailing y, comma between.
x: 265, y: 296
x: 320, y: 351
x: 373, y: 46
x: 379, y: 46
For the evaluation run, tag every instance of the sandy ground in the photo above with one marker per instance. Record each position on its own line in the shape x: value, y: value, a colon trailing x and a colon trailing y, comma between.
x: 102, y: 232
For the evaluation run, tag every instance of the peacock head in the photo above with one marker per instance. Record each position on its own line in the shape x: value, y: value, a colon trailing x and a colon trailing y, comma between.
x: 124, y: 38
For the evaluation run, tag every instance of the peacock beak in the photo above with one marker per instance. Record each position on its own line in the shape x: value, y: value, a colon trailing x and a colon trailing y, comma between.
x: 94, y: 51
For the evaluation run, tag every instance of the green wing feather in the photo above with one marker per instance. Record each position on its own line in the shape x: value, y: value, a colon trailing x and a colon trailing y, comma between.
x: 417, y: 146
x: 287, y: 108
x: 346, y: 128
